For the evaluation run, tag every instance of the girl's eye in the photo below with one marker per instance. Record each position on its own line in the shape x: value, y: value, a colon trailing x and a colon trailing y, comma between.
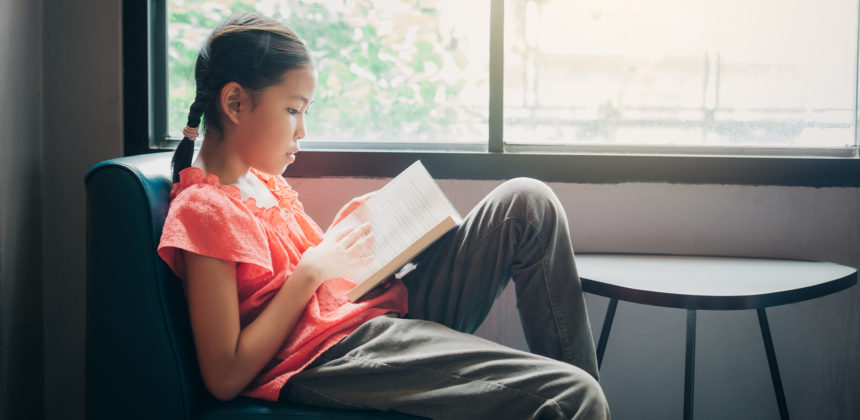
x: 293, y: 111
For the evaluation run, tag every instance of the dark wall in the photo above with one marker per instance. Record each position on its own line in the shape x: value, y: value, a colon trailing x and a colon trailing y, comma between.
x: 83, y: 125
x: 20, y: 209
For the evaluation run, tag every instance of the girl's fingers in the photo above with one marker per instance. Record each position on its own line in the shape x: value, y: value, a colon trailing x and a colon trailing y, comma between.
x: 362, y: 242
x: 340, y: 234
x: 364, y: 260
x: 356, y: 233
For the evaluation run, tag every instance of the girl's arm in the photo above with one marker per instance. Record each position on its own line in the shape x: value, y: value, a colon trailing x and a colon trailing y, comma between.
x: 229, y: 356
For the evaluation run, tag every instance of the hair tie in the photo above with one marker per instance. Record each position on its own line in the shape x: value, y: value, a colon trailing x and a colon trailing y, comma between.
x: 190, y: 132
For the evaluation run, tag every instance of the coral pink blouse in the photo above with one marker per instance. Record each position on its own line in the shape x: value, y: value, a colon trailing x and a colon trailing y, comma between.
x: 208, y: 218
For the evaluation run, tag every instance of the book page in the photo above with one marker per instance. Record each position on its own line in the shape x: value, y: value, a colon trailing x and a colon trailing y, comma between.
x: 399, y: 213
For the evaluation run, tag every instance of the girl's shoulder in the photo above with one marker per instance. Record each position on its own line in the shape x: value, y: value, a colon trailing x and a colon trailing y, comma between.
x: 195, y: 184
x: 208, y: 218
x: 201, y: 196
x: 204, y: 192
x: 201, y: 206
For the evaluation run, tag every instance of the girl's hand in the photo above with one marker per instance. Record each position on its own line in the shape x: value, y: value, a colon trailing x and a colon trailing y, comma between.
x: 341, y: 252
x: 349, y: 207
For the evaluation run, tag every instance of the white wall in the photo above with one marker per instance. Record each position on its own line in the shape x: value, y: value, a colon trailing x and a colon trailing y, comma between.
x: 816, y: 342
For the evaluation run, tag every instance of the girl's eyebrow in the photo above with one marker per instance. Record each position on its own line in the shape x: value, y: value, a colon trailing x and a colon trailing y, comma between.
x: 306, y: 100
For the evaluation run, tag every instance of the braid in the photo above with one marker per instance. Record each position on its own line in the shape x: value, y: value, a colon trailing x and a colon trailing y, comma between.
x: 185, y: 150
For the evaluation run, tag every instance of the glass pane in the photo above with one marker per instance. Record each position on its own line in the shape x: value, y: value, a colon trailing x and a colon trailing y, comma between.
x: 677, y: 72
x: 395, y: 70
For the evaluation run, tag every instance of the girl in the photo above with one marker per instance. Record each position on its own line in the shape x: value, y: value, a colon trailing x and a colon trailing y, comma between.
x: 266, y: 289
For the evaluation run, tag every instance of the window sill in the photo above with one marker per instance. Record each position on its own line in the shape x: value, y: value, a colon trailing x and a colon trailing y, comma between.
x: 588, y: 168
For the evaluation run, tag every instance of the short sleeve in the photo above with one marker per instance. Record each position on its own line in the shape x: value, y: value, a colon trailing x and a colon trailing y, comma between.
x: 205, y: 220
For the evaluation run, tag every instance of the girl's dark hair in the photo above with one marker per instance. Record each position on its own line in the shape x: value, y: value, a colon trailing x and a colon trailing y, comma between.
x: 249, y: 49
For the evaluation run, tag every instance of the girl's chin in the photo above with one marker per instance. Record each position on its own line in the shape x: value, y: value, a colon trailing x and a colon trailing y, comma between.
x: 290, y: 159
x: 274, y: 171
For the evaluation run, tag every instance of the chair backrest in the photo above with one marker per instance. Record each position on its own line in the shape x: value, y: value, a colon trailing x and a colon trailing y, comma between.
x: 140, y: 351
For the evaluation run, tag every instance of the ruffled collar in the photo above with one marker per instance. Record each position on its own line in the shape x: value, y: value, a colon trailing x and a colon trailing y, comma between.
x: 285, y: 195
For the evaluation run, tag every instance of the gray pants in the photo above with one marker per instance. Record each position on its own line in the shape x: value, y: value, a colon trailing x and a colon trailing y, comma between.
x: 429, y: 363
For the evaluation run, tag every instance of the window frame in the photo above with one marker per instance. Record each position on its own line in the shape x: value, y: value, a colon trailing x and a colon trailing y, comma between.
x: 145, y: 122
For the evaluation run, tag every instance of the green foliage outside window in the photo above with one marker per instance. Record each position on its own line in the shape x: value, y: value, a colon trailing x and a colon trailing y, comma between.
x: 372, y: 85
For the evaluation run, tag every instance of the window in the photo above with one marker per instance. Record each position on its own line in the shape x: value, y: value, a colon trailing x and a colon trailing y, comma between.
x: 587, y: 91
x: 708, y: 74
x: 623, y: 74
x: 389, y: 71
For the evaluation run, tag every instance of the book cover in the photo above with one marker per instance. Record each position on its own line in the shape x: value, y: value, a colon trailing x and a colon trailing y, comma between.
x: 406, y: 215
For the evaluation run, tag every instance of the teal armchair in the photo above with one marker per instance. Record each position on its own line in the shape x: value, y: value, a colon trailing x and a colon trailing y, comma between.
x: 140, y: 358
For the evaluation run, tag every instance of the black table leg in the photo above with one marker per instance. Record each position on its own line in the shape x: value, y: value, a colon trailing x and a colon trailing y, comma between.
x: 604, y: 332
x: 771, y: 361
x: 690, y: 364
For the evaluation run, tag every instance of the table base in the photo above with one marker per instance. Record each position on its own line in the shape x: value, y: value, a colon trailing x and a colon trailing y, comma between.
x: 690, y: 356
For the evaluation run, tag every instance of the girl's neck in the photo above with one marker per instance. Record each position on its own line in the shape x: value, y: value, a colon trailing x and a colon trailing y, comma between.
x: 230, y: 170
x: 214, y: 159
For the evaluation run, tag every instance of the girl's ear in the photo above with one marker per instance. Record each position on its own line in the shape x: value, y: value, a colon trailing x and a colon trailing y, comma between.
x: 230, y: 100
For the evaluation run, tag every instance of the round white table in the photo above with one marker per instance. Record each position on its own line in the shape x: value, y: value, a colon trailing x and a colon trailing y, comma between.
x: 714, y: 283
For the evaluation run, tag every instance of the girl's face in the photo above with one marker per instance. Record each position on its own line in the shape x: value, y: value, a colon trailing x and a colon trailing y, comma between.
x: 270, y: 132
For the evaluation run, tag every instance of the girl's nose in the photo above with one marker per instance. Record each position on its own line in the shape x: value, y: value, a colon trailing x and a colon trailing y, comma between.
x: 300, y: 129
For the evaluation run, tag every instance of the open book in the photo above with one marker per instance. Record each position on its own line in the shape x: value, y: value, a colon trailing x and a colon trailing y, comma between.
x: 406, y: 215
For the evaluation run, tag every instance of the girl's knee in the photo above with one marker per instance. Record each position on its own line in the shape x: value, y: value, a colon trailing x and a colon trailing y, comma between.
x: 584, y: 398
x: 527, y: 186
x: 530, y: 198
x: 529, y: 192
x: 594, y: 405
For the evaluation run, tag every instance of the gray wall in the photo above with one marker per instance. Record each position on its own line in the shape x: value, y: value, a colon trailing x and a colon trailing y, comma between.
x: 61, y: 72
x: 71, y: 51
x: 20, y: 209
x: 83, y: 125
